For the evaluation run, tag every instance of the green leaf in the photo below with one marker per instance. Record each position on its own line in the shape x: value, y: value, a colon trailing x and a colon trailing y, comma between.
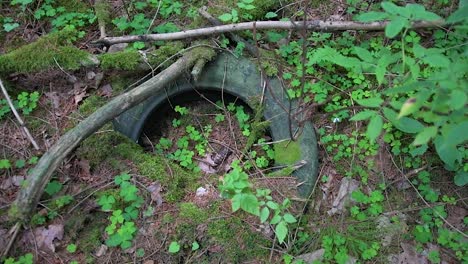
x: 408, y: 108
x: 461, y: 178
x: 71, y: 248
x: 249, y: 203
x: 226, y: 17
x: 405, y: 124
x: 370, y: 102
x: 271, y: 15
x: 457, y: 99
x: 10, y: 26
x: 53, y: 187
x: 459, y: 15
x: 418, y: 12
x: 195, y: 246
x: 380, y: 71
x: 374, y: 128
x: 409, y: 125
x: 106, y: 202
x: 363, y: 54
x: 391, y: 8
x: 436, y: 60
x: 424, y: 136
x: 281, y: 231
x: 456, y: 134
x: 364, y: 115
x: 371, y: 16
x: 289, y: 218
x: 395, y: 26
x: 120, y: 179
x: 275, y: 219
x: 418, y: 151
x: 447, y: 153
x: 5, y: 164
x: 272, y: 205
x: 264, y: 214
x: 20, y: 163
x: 174, y: 247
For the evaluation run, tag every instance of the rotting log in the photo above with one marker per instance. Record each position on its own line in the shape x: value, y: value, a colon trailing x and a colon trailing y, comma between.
x: 31, y: 191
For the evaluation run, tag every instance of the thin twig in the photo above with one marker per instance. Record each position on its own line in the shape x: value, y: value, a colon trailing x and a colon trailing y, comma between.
x: 18, y: 117
x: 14, y: 231
x: 87, y: 196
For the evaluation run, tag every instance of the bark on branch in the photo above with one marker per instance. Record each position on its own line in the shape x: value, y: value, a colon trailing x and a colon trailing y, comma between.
x: 36, y: 181
x: 313, y: 25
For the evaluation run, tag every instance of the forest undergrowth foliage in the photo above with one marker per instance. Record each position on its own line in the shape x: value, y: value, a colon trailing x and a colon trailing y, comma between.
x: 408, y: 86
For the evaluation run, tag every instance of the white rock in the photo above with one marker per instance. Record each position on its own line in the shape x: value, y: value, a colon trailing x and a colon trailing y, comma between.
x: 201, y: 191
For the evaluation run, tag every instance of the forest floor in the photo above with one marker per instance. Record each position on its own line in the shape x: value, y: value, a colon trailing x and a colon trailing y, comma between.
x: 166, y: 192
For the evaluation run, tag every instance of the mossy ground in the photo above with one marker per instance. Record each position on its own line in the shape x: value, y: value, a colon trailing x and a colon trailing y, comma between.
x: 43, y: 54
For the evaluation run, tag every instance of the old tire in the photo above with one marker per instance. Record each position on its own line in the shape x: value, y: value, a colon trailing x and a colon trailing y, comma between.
x: 238, y: 77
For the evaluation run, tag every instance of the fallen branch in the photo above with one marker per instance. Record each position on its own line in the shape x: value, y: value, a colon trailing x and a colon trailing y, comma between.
x: 313, y: 25
x: 18, y: 117
x: 36, y: 181
x: 236, y: 38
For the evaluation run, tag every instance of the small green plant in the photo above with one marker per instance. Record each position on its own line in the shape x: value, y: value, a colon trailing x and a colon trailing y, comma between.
x: 371, y: 202
x: 182, y: 110
x: 176, y: 122
x: 140, y: 252
x: 237, y: 188
x: 400, y: 17
x: 195, y: 246
x: 163, y: 145
x: 27, y: 102
x: 122, y: 228
x: 174, y: 247
x: 53, y: 187
x: 71, y: 248
x: 233, y: 16
x: 26, y: 259
x: 9, y: 24
x: 22, y: 3
x: 5, y: 164
x: 219, y: 118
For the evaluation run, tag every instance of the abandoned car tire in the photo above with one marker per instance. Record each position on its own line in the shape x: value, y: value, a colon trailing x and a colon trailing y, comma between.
x: 240, y: 78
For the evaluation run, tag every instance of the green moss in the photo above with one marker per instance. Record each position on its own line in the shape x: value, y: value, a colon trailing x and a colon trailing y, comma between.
x: 121, y: 82
x: 122, y: 60
x: 269, y: 62
x: 203, y: 52
x: 98, y: 147
x: 287, y: 152
x: 162, y: 53
x: 43, y: 54
x: 258, y: 126
x: 175, y: 179
x: 90, y: 237
x: 190, y: 212
x: 238, y: 241
x: 74, y: 6
x: 91, y: 104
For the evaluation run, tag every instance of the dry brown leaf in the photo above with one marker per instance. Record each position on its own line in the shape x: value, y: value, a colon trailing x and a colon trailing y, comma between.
x: 106, y: 90
x: 155, y: 190
x: 45, y: 236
